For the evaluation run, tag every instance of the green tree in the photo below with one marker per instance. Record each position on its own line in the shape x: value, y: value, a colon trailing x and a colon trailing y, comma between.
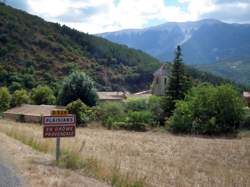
x: 15, y: 86
x: 81, y: 111
x: 78, y: 86
x: 42, y: 95
x: 208, y: 109
x: 5, y: 99
x: 178, y: 85
x: 20, y: 97
x: 155, y: 107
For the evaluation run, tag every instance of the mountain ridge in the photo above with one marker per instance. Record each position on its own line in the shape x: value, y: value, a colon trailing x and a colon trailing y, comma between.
x: 203, y: 42
x: 165, y: 24
x: 160, y: 40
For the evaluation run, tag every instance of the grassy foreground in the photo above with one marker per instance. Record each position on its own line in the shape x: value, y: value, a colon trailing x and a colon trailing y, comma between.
x: 146, y: 159
x: 71, y: 158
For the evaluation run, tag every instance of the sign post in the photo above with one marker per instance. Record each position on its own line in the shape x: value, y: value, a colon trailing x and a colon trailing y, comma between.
x: 57, y: 149
x: 59, y: 124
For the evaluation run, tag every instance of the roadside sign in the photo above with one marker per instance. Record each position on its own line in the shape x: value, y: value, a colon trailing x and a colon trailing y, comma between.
x: 59, y: 124
x: 52, y: 131
x: 59, y: 112
x: 59, y: 120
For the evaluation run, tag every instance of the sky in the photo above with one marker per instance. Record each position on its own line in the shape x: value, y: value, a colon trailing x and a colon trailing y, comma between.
x: 98, y: 16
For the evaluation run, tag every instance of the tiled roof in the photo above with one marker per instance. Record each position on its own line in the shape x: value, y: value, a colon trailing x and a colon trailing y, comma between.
x: 33, y: 110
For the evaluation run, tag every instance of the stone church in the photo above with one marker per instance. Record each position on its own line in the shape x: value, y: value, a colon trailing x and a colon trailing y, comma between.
x: 160, y: 81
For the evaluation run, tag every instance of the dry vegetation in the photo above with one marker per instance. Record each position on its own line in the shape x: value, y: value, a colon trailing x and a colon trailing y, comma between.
x: 159, y: 159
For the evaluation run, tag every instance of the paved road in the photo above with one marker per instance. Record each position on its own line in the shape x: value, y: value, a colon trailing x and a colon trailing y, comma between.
x: 8, y: 177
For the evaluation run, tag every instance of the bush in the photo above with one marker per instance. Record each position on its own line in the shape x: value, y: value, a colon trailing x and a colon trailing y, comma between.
x: 155, y: 107
x: 136, y: 114
x: 111, y: 112
x: 82, y: 112
x: 208, y: 110
x: 137, y: 104
x: 114, y: 115
x: 139, y: 120
x: 20, y: 97
x: 5, y: 99
x: 78, y: 86
x: 42, y: 95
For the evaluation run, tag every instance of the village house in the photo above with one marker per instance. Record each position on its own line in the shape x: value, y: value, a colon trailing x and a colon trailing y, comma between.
x: 30, y: 113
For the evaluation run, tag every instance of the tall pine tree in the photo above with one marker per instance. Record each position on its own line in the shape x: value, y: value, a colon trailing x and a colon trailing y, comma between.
x: 178, y: 84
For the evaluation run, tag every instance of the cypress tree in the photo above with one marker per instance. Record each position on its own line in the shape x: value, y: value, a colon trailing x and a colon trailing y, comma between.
x: 178, y: 84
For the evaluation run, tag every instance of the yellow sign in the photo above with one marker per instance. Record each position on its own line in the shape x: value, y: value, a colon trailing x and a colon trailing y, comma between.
x: 59, y: 112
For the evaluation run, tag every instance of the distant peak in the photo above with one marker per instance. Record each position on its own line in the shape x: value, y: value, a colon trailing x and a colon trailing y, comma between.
x: 209, y: 21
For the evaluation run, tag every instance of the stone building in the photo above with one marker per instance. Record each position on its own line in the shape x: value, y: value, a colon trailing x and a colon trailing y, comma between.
x: 30, y: 113
x: 160, y: 81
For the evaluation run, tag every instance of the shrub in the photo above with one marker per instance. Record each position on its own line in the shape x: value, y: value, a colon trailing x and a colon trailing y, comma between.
x: 110, y: 112
x: 20, y: 97
x: 5, y: 99
x: 208, y: 110
x: 78, y: 86
x: 82, y: 112
x: 42, y: 95
x: 137, y: 104
x: 138, y: 120
x: 155, y: 107
x: 116, y: 115
x: 152, y: 104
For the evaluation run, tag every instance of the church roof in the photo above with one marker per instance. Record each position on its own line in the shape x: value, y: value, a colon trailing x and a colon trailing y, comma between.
x: 162, y: 71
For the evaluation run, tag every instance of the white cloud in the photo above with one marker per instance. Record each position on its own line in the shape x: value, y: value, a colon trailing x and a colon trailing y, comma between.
x: 95, y: 16
x: 225, y: 10
x: 130, y: 14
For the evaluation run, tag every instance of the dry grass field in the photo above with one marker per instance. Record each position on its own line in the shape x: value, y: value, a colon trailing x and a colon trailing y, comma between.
x: 157, y: 158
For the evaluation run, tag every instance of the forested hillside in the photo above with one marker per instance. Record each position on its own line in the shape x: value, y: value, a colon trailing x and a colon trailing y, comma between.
x: 233, y: 70
x: 33, y: 51
x: 205, y: 41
